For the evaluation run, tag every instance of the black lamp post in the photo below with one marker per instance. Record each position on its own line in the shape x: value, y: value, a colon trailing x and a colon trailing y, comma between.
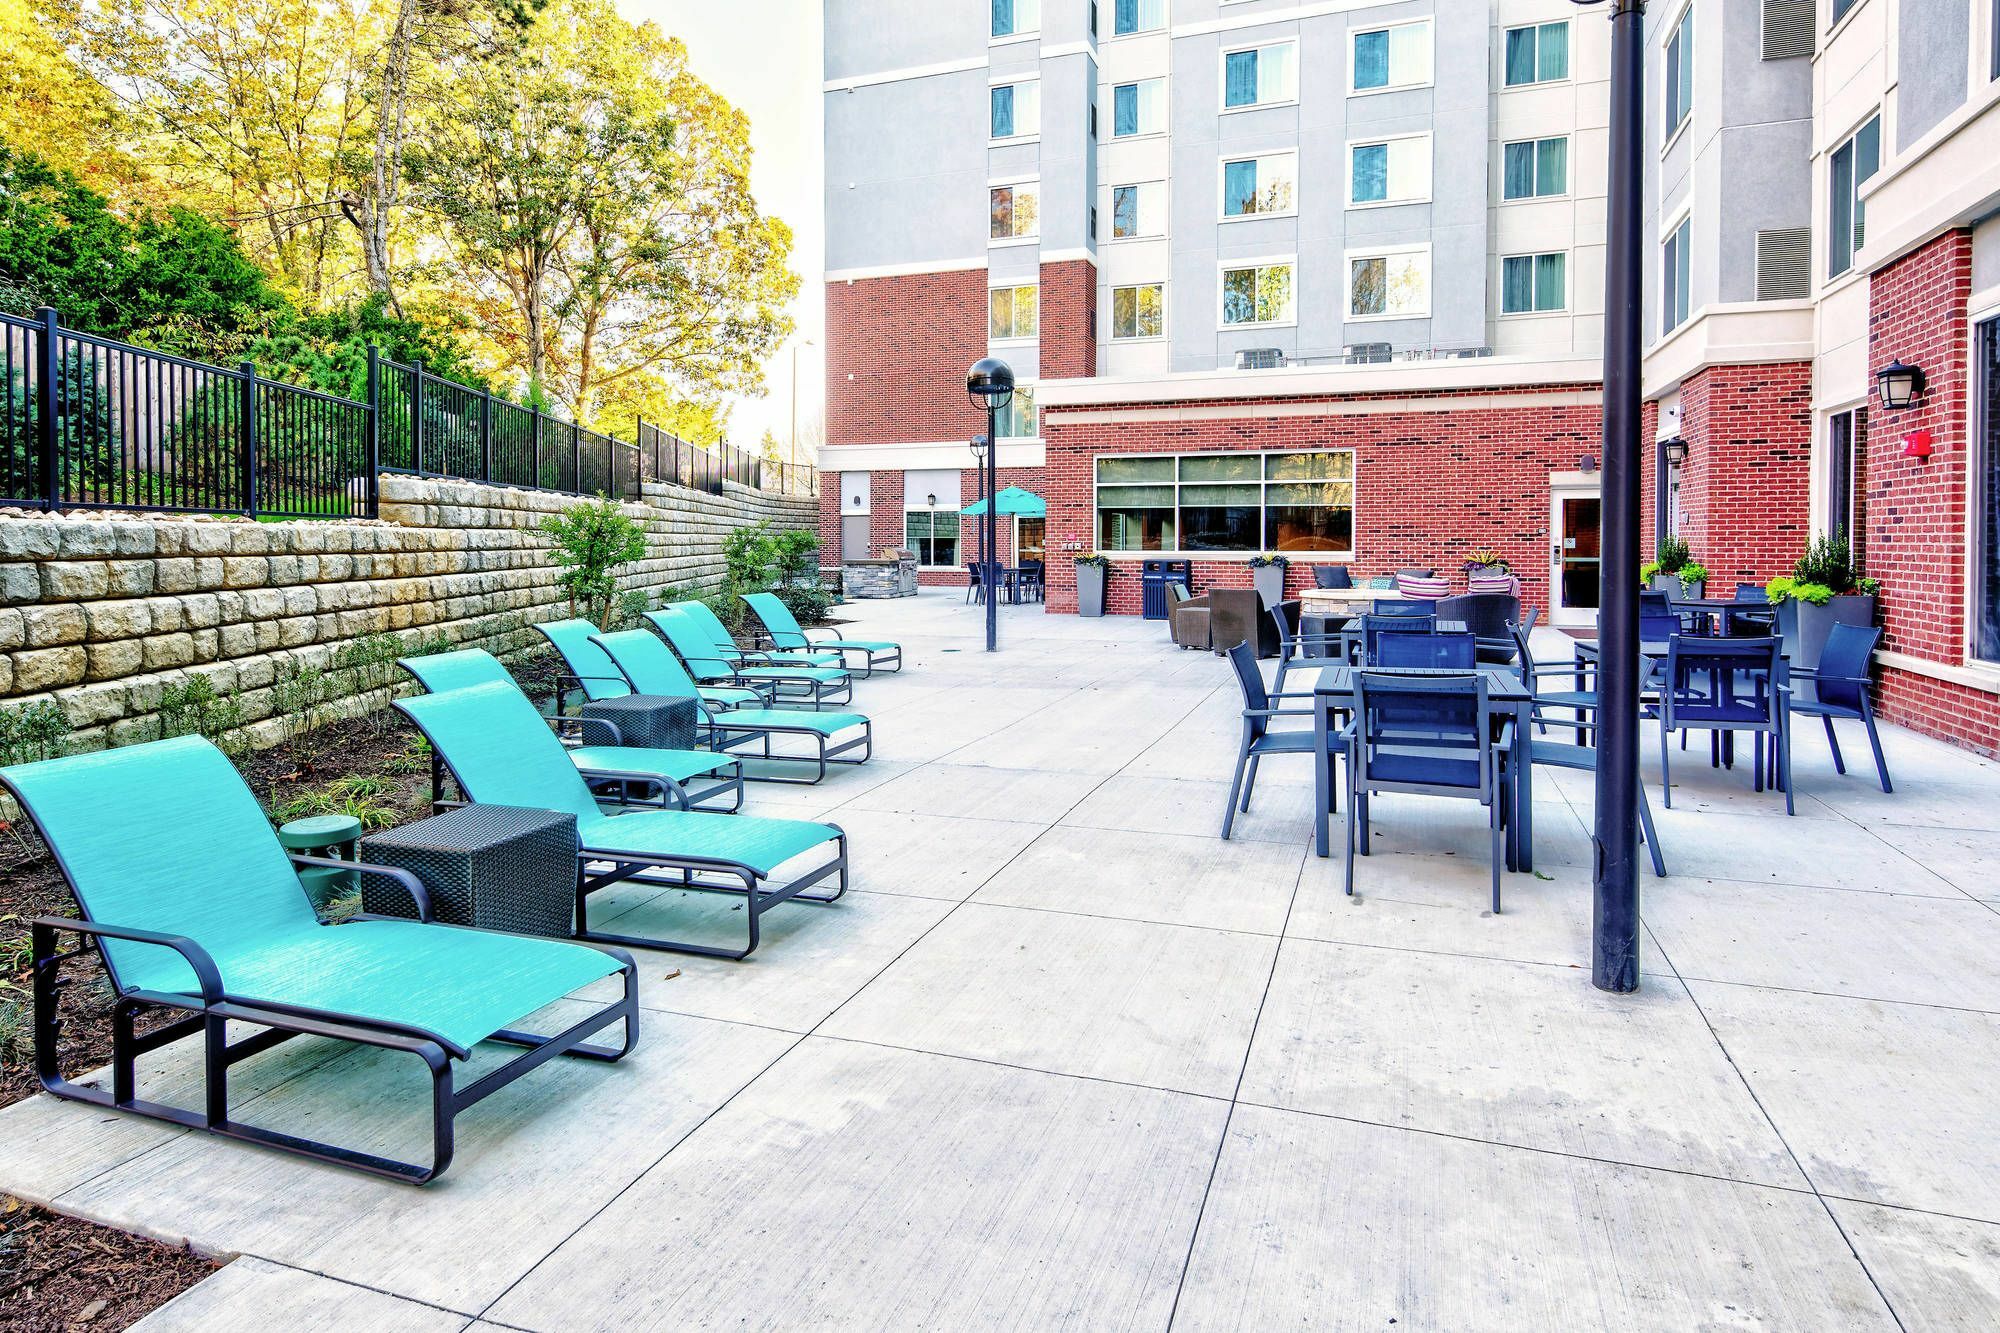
x: 990, y: 385
x: 1614, y: 962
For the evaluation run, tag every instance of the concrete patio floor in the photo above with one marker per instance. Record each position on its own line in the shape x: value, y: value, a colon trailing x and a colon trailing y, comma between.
x: 1066, y: 1059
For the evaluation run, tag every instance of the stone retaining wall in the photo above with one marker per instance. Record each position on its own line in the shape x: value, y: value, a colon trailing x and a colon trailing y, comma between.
x: 103, y: 612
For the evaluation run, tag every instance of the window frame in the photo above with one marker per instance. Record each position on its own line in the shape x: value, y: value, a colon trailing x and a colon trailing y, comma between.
x: 1983, y: 458
x: 1680, y: 233
x: 1032, y: 184
x: 1225, y: 267
x: 1016, y: 83
x: 1568, y: 143
x: 1112, y: 190
x: 1535, y: 312
x: 1222, y: 76
x: 1384, y: 252
x: 1680, y: 30
x: 1430, y: 42
x: 1016, y: 33
x: 1028, y: 388
x: 1569, y: 54
x: 1115, y: 34
x: 1856, y: 206
x: 1222, y: 165
x: 1263, y: 483
x: 1135, y: 85
x: 992, y: 287
x: 1429, y: 194
x: 1111, y: 317
x: 931, y: 512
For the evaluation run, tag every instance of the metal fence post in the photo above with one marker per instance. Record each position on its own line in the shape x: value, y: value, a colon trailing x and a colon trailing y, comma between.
x: 372, y: 436
x: 48, y: 403
x: 486, y: 434
x: 417, y: 417
x: 535, y: 430
x: 575, y: 459
x: 248, y: 435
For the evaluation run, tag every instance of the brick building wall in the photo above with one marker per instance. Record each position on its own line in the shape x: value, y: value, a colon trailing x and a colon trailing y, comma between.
x: 1914, y: 511
x: 897, y: 349
x: 1069, y: 320
x: 1431, y: 485
x: 1745, y: 487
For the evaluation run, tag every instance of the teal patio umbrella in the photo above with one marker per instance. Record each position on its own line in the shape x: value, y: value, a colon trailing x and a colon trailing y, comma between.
x: 1013, y: 502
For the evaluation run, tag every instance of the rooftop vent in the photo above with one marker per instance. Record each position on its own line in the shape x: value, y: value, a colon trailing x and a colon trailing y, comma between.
x: 1367, y: 354
x: 1261, y: 358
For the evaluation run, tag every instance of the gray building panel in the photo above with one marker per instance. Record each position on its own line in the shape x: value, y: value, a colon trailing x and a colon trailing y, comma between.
x: 1931, y: 66
x: 1768, y: 168
x: 872, y: 37
x: 906, y: 172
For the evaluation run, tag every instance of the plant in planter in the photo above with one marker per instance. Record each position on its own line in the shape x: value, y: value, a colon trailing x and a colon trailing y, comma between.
x: 1823, y: 590
x: 1694, y: 578
x: 1093, y: 571
x: 1486, y: 561
x: 1669, y: 571
x: 1267, y: 575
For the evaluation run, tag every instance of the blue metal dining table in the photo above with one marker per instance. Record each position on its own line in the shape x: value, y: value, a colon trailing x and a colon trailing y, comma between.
x: 1504, y: 687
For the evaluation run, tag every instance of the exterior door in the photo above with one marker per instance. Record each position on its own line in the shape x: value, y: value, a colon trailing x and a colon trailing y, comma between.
x: 1030, y: 540
x: 1576, y: 554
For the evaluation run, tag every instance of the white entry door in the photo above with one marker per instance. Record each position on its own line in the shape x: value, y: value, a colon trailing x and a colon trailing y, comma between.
x: 1576, y: 552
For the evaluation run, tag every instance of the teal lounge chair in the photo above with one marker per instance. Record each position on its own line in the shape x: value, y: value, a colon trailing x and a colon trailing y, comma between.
x: 799, y: 684
x: 195, y: 908
x: 615, y: 769
x: 499, y: 752
x: 709, y: 623
x: 594, y: 674
x: 782, y: 630
x: 652, y: 668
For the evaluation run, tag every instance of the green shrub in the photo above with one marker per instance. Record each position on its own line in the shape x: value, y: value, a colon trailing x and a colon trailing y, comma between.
x: 299, y: 700
x: 631, y: 608
x: 1691, y: 574
x: 808, y: 602
x: 33, y: 731
x: 592, y: 539
x: 193, y: 708
x: 747, y: 556
x: 1829, y: 562
x: 1673, y: 553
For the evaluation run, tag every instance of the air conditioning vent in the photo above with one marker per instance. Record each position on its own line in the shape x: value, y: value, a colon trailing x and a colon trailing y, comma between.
x: 1367, y: 354
x: 1788, y: 28
x: 1261, y: 358
x: 1784, y: 264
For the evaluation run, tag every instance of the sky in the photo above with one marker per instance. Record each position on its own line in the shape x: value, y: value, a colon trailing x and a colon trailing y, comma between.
x: 764, y: 55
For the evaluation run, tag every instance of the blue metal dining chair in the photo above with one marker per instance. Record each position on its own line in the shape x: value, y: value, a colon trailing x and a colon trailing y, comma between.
x: 1427, y: 736
x: 1578, y: 699
x: 1727, y: 685
x: 1840, y: 689
x: 1296, y: 648
x: 1373, y: 627
x: 1456, y: 652
x: 1258, y: 737
x: 1402, y: 606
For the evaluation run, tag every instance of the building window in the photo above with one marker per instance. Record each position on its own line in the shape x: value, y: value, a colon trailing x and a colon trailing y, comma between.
x: 1138, y: 312
x: 1131, y: 16
x: 1238, y: 502
x: 1014, y: 17
x: 1840, y: 8
x: 1678, y: 75
x: 1534, y: 284
x: 1260, y: 76
x: 1397, y: 171
x: 1013, y: 312
x: 1674, y: 272
x: 1538, y: 53
x: 1016, y: 110
x: 1851, y: 167
x: 1986, y: 579
x: 1138, y: 210
x: 933, y: 535
x: 1018, y: 420
x: 1386, y: 58
x: 1138, y: 108
x: 1534, y: 168
x: 1391, y: 285
x: 1255, y: 294
x: 1843, y: 435
x: 1259, y: 185
x: 1013, y: 211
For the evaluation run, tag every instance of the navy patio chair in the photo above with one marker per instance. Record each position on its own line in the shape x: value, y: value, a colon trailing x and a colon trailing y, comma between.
x: 1840, y: 689
x: 1580, y: 698
x: 1450, y: 652
x: 1426, y: 736
x: 1259, y: 707
x: 1297, y: 648
x: 1725, y: 686
x: 1332, y: 576
x: 1374, y: 627
x: 1403, y: 606
x: 1583, y: 759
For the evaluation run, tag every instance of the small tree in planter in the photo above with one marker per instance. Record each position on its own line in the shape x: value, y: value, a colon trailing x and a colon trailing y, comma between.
x: 1267, y: 575
x: 592, y: 540
x: 1093, y: 571
x: 1485, y: 560
x: 1675, y: 571
x: 1823, y: 590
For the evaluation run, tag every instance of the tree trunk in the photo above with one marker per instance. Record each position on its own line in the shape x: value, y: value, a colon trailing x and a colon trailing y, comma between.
x: 391, y: 126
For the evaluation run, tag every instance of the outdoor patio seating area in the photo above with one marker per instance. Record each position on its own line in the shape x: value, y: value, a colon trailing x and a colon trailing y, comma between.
x: 1061, y: 1055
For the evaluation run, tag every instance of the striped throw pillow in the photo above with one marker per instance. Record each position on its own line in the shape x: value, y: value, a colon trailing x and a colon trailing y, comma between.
x: 1477, y: 583
x: 1426, y: 589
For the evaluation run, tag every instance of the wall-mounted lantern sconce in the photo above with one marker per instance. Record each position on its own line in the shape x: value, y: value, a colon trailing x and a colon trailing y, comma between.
x: 855, y: 501
x: 1899, y: 385
x: 1676, y: 451
x: 931, y: 500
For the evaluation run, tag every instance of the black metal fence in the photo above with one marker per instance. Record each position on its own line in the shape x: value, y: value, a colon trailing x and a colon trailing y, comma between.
x: 94, y: 423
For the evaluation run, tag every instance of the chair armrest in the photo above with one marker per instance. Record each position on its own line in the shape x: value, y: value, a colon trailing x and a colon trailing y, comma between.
x: 44, y: 928
x: 411, y: 884
x: 619, y: 775
x: 585, y: 723
x: 1277, y: 712
x: 566, y: 682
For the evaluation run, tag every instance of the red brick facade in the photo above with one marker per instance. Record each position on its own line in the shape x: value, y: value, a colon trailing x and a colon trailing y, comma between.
x: 897, y: 349
x: 1069, y: 320
x: 1914, y: 511
x: 1744, y: 490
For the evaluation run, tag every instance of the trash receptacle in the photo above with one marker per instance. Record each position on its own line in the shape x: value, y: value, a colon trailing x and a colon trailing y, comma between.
x: 1154, y: 576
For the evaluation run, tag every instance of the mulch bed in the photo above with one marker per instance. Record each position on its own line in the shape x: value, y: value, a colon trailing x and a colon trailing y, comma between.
x: 58, y: 1273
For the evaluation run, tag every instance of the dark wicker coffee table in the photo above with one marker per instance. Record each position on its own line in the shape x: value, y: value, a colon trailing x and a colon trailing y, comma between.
x: 656, y: 721
x: 499, y: 867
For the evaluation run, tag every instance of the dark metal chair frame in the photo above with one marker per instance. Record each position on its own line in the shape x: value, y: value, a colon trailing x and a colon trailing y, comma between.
x: 1843, y: 695
x: 1725, y: 662
x: 1258, y: 738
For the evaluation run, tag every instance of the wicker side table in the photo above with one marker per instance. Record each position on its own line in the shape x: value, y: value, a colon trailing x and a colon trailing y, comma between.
x: 656, y: 721
x: 499, y: 867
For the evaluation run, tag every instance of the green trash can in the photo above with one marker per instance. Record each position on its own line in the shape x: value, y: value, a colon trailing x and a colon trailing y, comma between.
x: 335, y: 836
